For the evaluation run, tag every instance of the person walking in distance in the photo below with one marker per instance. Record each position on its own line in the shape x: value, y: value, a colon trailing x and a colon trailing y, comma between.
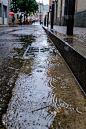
x: 21, y: 19
x: 13, y: 19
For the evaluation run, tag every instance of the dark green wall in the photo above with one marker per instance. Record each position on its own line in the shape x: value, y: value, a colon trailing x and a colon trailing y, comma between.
x: 80, y: 19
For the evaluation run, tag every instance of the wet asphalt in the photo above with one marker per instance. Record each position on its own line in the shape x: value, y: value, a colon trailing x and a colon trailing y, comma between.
x: 37, y: 92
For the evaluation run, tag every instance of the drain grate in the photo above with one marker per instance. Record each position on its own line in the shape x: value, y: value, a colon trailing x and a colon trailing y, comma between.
x: 31, y: 51
x: 43, y: 49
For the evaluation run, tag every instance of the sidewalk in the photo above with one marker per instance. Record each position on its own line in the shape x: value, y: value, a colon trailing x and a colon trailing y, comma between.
x: 77, y: 41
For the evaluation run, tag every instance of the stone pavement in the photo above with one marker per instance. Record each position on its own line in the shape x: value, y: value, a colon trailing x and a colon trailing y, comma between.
x: 80, y: 32
x: 77, y: 41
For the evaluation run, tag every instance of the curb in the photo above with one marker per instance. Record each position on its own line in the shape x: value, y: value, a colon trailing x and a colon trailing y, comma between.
x: 75, y: 61
x: 8, y: 26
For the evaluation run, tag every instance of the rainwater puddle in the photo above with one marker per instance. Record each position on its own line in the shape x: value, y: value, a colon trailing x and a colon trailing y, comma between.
x: 46, y: 95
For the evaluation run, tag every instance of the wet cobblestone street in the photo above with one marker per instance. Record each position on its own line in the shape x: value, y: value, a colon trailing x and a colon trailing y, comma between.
x: 44, y: 94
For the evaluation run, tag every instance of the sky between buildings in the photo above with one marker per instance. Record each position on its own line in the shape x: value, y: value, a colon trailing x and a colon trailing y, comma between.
x: 44, y: 1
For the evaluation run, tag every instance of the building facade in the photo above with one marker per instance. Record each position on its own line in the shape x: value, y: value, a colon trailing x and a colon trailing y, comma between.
x: 50, y: 9
x: 43, y: 9
x: 80, y: 13
x: 9, y: 6
x: 4, y: 12
x: 61, y: 12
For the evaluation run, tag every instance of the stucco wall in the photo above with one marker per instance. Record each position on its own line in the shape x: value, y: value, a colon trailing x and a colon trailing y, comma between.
x: 50, y: 2
x: 81, y: 5
x: 5, y: 2
x: 59, y: 6
x: 0, y: 20
x: 80, y: 19
x: 80, y: 15
x: 5, y: 12
x: 5, y: 21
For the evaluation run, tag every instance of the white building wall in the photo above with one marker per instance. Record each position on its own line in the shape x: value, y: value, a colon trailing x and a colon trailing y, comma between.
x: 4, y: 3
x: 0, y: 20
x: 5, y: 21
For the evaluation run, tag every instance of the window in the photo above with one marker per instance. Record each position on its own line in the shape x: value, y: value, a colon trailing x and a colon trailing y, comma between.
x: 5, y: 11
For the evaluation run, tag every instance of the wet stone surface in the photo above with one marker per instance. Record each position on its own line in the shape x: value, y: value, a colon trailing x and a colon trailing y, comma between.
x: 12, y: 48
x: 45, y: 94
x: 77, y: 40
